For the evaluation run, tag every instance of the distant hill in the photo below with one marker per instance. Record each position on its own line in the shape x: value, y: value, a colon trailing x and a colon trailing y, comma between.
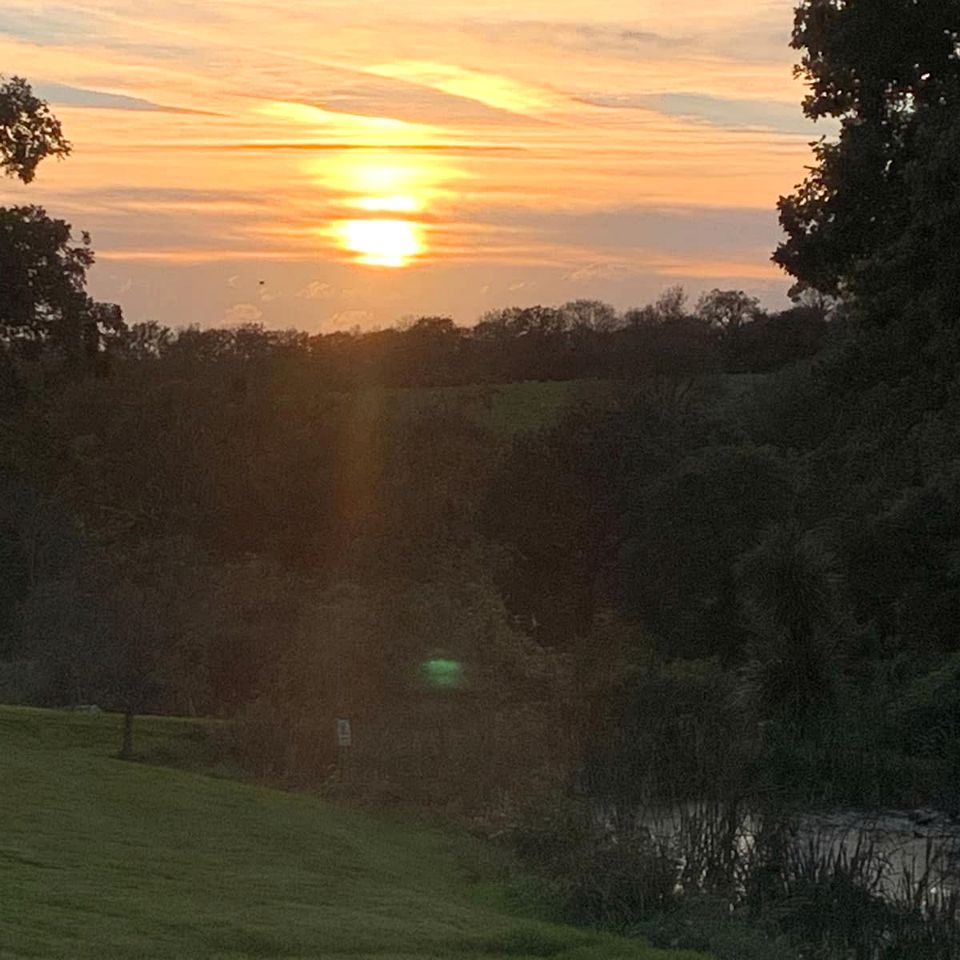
x: 105, y: 859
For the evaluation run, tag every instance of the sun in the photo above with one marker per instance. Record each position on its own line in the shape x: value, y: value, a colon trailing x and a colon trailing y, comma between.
x: 382, y: 243
x: 385, y: 205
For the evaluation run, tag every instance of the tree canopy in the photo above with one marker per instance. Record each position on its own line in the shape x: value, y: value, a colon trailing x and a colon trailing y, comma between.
x: 44, y: 307
x: 43, y: 304
x: 29, y: 132
x: 869, y: 217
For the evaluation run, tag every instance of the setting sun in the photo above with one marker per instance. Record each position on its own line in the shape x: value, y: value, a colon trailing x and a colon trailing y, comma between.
x: 382, y: 243
x: 392, y: 191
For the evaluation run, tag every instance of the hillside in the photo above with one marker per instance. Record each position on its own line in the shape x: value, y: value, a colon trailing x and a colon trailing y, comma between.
x: 105, y: 859
x: 511, y: 409
x: 506, y: 409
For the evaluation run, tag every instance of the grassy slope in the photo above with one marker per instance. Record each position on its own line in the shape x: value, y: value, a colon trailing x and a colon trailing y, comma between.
x: 105, y: 859
x: 506, y: 409
x: 509, y: 409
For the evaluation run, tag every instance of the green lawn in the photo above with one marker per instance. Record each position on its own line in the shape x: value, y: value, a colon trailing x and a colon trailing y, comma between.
x: 111, y: 860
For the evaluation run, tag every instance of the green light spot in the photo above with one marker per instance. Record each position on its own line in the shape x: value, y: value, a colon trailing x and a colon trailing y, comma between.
x: 442, y: 673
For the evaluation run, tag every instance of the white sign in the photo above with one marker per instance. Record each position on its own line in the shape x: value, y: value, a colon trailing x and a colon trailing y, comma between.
x: 343, y: 732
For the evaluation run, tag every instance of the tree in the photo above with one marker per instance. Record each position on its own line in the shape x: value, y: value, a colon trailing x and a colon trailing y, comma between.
x: 590, y: 315
x: 43, y: 303
x: 670, y: 305
x: 727, y: 310
x: 29, y: 132
x: 889, y: 71
x: 685, y: 530
x: 792, y: 595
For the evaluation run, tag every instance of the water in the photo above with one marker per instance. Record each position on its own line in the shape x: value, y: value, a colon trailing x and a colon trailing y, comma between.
x: 898, y: 854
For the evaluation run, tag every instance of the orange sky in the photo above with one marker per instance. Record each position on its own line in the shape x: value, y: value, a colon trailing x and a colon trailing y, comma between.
x: 370, y: 161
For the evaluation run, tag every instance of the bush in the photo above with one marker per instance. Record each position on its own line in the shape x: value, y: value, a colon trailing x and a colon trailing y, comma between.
x: 710, y: 925
x: 266, y: 743
x: 601, y: 873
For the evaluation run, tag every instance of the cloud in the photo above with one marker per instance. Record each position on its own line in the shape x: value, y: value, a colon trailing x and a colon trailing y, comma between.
x: 722, y: 269
x: 608, y: 271
x: 242, y: 313
x: 317, y: 290
x: 364, y: 94
x: 56, y: 25
x: 625, y: 40
x: 497, y: 90
x: 338, y: 146
x: 64, y: 95
x: 616, y: 234
x: 718, y: 111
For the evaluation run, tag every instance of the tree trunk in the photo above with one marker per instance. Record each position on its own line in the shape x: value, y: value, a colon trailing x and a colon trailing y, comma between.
x: 126, y: 747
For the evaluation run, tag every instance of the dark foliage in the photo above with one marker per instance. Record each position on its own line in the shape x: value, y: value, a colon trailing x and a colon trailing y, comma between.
x: 45, y: 313
x: 878, y: 214
x: 29, y: 132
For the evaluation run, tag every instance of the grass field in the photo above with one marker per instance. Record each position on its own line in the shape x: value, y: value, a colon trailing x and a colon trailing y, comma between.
x: 509, y: 409
x: 120, y: 861
x: 506, y: 409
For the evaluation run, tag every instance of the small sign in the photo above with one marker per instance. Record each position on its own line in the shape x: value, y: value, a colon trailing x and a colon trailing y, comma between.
x: 344, y: 737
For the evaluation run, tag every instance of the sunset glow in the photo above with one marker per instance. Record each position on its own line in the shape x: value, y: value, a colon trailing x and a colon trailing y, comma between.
x: 395, y: 204
x: 517, y: 153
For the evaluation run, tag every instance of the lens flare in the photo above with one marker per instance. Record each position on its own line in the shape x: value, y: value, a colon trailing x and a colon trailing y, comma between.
x: 442, y: 673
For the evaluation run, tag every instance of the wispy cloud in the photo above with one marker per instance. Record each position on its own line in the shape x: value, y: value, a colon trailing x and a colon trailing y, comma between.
x: 337, y: 146
x: 63, y: 94
x: 317, y: 290
x: 242, y: 313
x: 727, y: 112
x: 629, y: 39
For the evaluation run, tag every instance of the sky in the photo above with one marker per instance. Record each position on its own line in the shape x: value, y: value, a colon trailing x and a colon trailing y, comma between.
x: 329, y: 165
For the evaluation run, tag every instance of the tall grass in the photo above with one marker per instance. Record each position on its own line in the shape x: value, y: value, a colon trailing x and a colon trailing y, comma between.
x: 827, y: 893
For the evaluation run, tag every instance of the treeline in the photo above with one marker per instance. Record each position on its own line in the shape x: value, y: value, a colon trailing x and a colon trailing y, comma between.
x: 725, y: 331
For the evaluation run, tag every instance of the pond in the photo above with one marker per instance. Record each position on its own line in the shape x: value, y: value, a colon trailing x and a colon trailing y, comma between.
x: 903, y: 856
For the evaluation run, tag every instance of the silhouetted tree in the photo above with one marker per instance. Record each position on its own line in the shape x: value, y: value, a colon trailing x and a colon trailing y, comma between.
x: 44, y: 308
x: 590, y: 315
x: 873, y: 203
x: 29, y: 132
x: 727, y: 310
x: 670, y: 305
